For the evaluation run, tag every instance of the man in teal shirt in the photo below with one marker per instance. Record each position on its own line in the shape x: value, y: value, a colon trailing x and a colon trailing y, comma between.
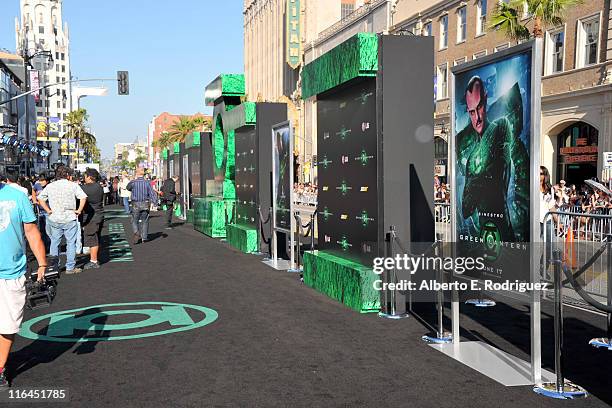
x: 17, y: 223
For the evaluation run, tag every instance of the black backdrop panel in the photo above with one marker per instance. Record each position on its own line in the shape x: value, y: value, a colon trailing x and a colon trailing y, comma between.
x: 246, y: 175
x: 195, y: 188
x: 347, y: 171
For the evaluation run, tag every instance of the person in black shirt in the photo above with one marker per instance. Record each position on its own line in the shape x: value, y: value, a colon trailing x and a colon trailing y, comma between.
x: 169, y: 196
x: 93, y: 216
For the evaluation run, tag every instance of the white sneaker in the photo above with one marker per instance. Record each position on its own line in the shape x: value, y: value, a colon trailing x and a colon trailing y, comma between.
x: 85, y: 250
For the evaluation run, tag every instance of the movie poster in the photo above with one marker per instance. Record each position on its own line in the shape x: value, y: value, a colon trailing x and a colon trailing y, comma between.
x: 492, y: 131
x: 64, y: 147
x: 282, y: 157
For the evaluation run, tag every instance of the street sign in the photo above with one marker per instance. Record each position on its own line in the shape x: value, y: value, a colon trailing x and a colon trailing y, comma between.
x: 607, y: 156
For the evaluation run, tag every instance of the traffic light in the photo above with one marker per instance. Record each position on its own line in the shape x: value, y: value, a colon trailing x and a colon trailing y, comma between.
x: 123, y: 82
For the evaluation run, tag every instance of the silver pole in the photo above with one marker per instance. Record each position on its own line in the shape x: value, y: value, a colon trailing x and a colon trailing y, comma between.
x: 441, y: 336
x: 312, y: 232
x: 298, y: 243
x: 606, y: 342
x: 389, y: 307
x: 560, y: 389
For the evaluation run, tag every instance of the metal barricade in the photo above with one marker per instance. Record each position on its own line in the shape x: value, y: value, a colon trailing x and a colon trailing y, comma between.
x: 572, y: 255
x: 442, y: 218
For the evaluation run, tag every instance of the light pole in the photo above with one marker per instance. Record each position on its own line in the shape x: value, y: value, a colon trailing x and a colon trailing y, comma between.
x: 26, y: 63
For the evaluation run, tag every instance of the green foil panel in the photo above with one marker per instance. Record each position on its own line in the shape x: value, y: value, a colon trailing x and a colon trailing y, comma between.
x: 346, y: 281
x: 244, y: 114
x: 192, y: 140
x: 165, y: 154
x: 356, y: 57
x: 190, y: 214
x: 177, y: 148
x: 242, y: 237
x: 224, y: 85
x: 209, y: 216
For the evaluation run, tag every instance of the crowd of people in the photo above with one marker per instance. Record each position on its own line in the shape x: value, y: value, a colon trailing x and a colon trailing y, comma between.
x: 305, y: 193
x: 67, y: 208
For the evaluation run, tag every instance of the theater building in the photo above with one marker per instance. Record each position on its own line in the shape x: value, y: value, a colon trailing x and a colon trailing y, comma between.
x: 576, y: 122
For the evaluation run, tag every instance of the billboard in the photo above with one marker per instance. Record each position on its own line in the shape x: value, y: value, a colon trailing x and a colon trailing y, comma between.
x: 282, y: 175
x: 492, y: 158
x: 347, y: 171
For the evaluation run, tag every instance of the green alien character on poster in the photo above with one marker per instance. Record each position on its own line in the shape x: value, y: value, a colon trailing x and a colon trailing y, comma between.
x: 492, y: 157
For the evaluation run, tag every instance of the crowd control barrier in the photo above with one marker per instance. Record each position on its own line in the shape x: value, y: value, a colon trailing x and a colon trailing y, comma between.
x: 560, y: 254
x: 309, y: 232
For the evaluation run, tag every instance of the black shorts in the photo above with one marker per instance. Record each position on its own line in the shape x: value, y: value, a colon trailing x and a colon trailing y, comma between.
x: 92, y: 230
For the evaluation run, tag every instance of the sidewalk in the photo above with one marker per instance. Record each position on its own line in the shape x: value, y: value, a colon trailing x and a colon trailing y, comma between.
x: 275, y: 342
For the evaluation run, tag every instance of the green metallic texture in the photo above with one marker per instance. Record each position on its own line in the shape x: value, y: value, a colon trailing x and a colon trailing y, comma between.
x: 243, y: 237
x: 224, y: 85
x: 242, y: 115
x: 192, y: 140
x: 346, y: 281
x: 177, y: 148
x: 356, y: 57
x: 209, y: 216
x: 190, y: 214
x: 165, y: 154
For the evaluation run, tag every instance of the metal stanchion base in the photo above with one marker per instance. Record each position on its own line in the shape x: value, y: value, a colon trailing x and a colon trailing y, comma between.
x: 295, y: 270
x: 446, y: 337
x: 601, y: 342
x: 570, y: 391
x: 481, y: 302
x: 393, y: 316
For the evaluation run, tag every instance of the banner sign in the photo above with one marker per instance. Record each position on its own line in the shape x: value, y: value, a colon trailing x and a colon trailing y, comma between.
x: 64, y: 147
x: 35, y: 84
x: 607, y: 159
x: 492, y: 122
x: 72, y: 147
x: 282, y: 175
x: 54, y: 129
x: 294, y: 42
x: 42, y: 129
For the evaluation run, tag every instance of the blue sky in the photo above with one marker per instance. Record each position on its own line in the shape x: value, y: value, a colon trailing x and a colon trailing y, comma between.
x: 171, y: 49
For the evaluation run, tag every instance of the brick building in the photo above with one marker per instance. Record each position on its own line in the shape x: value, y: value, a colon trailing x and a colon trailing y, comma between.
x: 576, y: 82
x: 158, y: 125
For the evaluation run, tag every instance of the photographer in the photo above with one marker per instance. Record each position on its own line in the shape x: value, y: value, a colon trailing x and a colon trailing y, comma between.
x: 17, y: 220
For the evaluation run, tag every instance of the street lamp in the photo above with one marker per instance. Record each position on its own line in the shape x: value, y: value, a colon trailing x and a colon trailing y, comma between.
x: 27, y: 62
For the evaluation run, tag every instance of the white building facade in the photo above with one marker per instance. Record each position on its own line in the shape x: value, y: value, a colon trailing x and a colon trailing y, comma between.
x: 41, y: 28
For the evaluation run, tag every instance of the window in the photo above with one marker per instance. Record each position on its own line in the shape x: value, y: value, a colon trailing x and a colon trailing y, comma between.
x: 57, y: 55
x: 59, y: 105
x: 460, y: 61
x: 62, y: 58
x: 57, y: 68
x: 481, y: 23
x: 57, y: 79
x: 63, y: 68
x: 427, y: 29
x: 41, y: 30
x: 444, y: 32
x: 555, y: 42
x: 442, y: 81
x: 64, y: 104
x: 461, y: 24
x: 346, y: 8
x: 588, y: 42
x: 480, y: 54
x: 502, y: 47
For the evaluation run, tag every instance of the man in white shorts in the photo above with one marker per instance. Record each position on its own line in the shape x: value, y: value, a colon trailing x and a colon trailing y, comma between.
x: 17, y: 220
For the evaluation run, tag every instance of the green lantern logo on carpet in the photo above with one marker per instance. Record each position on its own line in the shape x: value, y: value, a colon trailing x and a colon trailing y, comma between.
x: 119, y: 321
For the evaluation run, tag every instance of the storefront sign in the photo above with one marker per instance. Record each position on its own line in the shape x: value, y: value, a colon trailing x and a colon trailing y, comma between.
x: 294, y: 43
x: 578, y: 150
x: 580, y: 158
x: 607, y: 159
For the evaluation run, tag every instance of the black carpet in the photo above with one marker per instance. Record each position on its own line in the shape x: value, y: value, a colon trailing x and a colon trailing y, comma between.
x: 277, y: 342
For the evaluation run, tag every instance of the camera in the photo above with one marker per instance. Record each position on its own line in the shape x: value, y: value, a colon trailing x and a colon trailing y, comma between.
x: 41, y: 294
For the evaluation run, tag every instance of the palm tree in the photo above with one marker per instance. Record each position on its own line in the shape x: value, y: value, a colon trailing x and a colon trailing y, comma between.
x: 76, y: 121
x: 181, y: 128
x: 202, y: 124
x: 508, y: 17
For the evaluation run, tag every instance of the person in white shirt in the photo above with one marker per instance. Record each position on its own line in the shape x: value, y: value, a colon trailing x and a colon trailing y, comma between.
x: 124, y: 193
x: 11, y: 181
